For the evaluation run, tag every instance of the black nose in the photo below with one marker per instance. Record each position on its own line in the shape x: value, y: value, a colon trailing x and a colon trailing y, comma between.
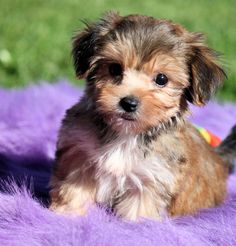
x: 129, y: 104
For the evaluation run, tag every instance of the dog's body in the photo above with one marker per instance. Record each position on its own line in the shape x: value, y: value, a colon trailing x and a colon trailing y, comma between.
x: 126, y: 144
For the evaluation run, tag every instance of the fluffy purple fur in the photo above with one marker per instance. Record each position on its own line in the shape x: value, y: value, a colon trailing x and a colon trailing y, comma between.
x: 29, y: 121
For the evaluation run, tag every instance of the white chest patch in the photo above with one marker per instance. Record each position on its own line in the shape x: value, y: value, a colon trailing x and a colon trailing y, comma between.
x: 121, y: 166
x: 119, y: 157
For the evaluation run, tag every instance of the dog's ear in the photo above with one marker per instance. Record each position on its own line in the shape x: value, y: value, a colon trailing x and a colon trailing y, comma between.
x: 205, y: 72
x: 83, y: 49
x: 87, y: 42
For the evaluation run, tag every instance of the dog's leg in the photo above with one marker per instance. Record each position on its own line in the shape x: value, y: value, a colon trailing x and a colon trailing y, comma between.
x: 200, y: 190
x: 72, y: 198
x: 137, y: 204
x: 72, y: 184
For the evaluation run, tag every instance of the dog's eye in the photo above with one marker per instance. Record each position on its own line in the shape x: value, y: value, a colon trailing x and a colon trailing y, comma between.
x: 161, y: 79
x: 115, y: 69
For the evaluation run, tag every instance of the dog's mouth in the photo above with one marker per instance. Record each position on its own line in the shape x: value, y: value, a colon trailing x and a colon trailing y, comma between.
x: 128, y: 117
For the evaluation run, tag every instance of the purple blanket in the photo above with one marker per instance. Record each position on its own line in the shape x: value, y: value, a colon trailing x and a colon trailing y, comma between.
x: 29, y: 121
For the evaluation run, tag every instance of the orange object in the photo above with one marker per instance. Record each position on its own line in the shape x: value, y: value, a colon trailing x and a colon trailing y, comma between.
x: 211, y: 138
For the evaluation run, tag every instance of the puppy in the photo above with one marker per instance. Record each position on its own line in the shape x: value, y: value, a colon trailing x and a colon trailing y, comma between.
x: 127, y: 145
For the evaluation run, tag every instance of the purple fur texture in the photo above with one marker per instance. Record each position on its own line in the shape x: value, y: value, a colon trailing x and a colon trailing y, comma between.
x: 29, y: 121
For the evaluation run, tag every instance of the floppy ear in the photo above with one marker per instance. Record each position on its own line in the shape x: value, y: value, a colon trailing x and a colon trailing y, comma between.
x: 87, y: 43
x: 83, y: 47
x: 205, y: 72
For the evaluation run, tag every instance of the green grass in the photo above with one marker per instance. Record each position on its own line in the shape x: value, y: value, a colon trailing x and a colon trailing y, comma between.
x: 35, y: 34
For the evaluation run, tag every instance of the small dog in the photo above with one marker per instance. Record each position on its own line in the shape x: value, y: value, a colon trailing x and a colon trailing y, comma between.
x: 126, y: 144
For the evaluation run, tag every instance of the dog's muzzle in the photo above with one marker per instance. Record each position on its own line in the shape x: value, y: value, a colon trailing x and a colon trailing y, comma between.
x: 129, y: 104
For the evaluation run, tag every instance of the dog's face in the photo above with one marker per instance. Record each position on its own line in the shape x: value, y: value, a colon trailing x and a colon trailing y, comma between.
x: 141, y: 71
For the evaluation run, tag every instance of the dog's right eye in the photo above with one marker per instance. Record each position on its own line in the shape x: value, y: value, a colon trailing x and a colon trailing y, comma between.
x: 115, y: 69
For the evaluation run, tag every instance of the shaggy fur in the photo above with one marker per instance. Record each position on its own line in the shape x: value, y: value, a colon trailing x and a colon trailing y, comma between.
x: 126, y: 144
x: 27, y: 149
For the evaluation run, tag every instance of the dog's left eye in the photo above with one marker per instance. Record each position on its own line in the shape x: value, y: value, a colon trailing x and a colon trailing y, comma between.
x: 115, y: 69
x: 161, y: 79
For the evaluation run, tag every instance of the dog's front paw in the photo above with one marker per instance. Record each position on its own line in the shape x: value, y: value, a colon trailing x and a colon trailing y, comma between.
x: 69, y: 209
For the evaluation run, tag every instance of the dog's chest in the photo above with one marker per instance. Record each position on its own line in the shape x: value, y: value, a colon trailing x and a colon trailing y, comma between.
x: 125, y: 165
x: 120, y: 157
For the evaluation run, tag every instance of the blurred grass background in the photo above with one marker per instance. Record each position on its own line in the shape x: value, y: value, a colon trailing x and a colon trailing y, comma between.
x: 35, y: 34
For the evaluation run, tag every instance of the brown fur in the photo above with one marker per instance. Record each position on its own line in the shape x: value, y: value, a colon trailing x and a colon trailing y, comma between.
x: 151, y: 162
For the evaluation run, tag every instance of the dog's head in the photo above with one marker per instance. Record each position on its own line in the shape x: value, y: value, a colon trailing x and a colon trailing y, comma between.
x: 141, y: 72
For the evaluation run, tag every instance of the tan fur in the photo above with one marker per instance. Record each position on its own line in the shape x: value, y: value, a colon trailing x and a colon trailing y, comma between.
x: 155, y: 164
